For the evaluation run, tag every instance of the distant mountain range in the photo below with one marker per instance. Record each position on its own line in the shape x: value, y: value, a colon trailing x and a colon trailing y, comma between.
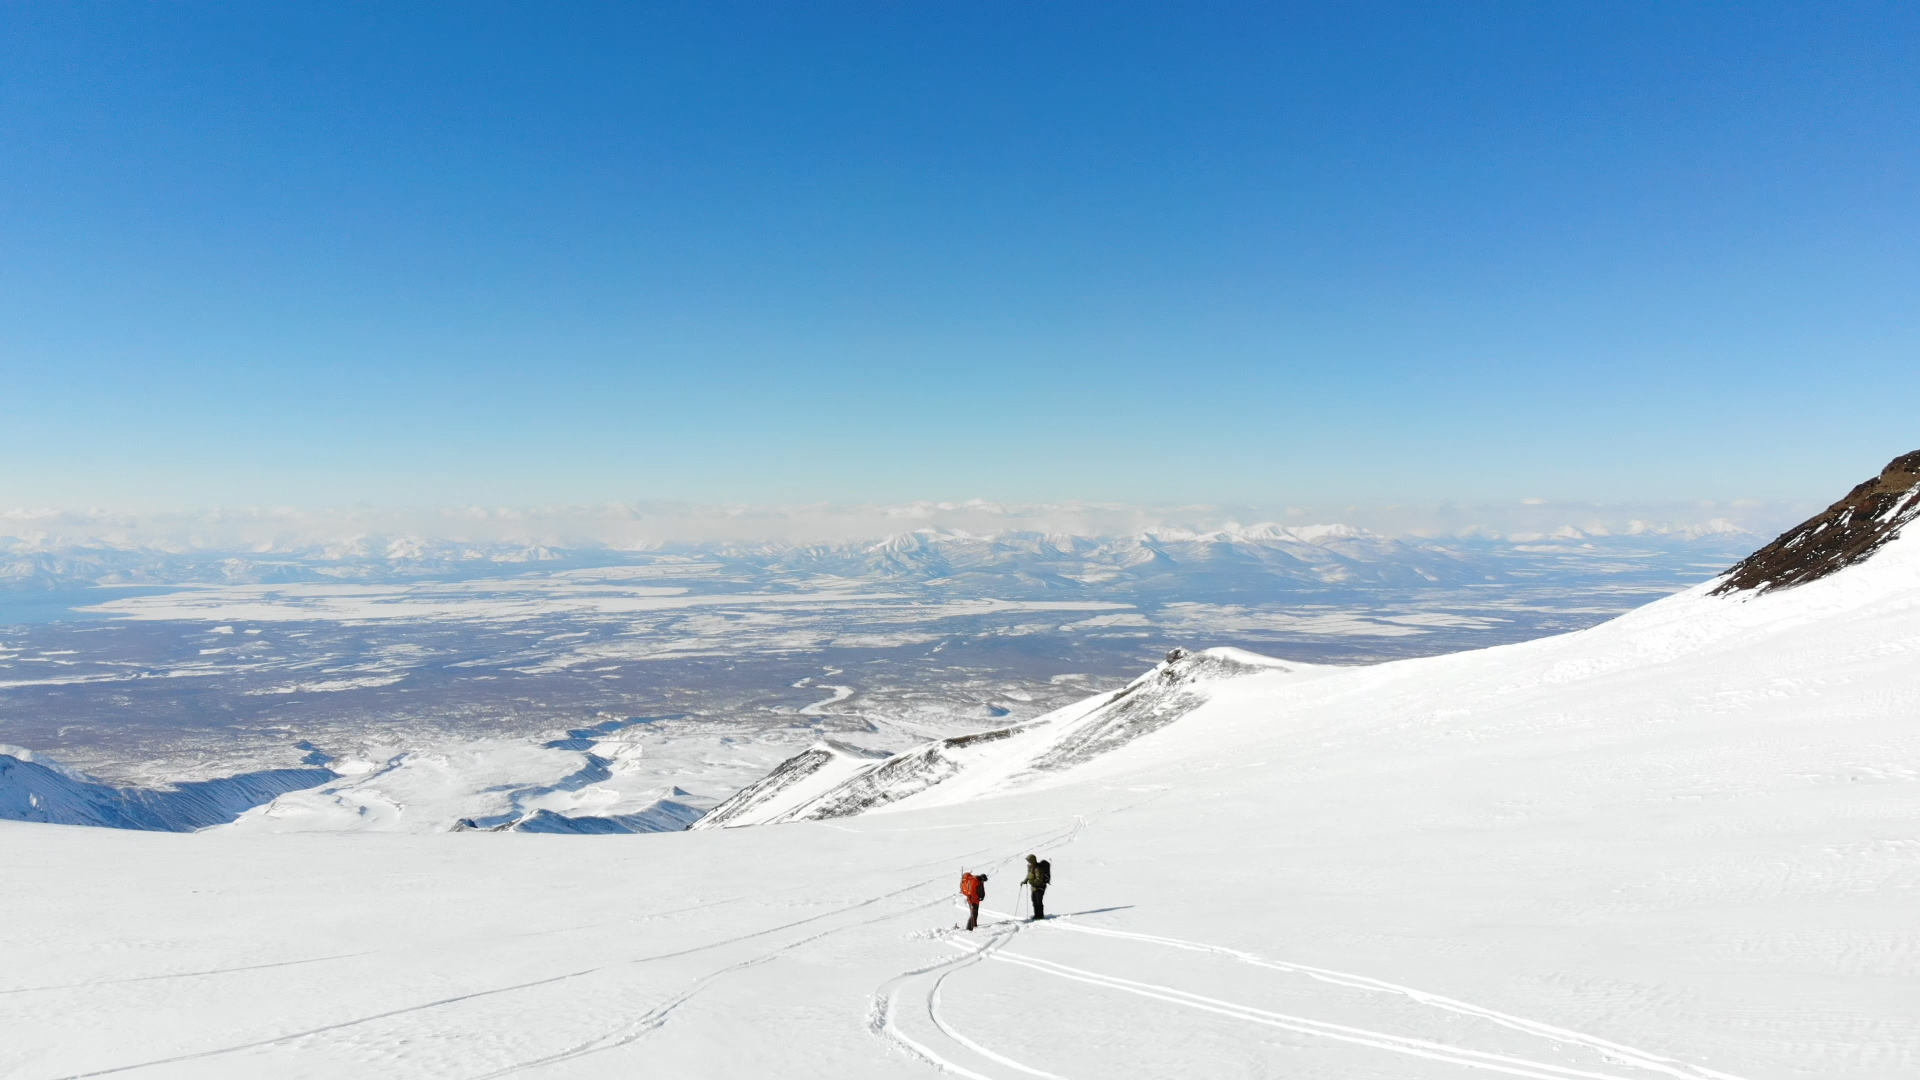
x: 1161, y: 561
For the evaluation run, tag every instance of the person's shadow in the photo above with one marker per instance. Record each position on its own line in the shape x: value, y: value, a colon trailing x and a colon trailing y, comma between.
x: 1090, y: 911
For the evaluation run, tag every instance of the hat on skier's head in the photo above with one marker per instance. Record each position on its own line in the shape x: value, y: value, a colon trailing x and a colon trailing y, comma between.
x: 1031, y: 858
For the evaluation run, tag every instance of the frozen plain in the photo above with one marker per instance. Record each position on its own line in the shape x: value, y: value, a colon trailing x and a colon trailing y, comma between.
x: 1684, y: 843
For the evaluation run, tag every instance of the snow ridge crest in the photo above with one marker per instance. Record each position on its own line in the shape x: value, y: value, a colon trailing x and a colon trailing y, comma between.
x: 830, y: 781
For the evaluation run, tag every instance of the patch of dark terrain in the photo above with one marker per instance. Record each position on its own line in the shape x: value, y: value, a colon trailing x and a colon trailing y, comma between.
x: 1842, y: 535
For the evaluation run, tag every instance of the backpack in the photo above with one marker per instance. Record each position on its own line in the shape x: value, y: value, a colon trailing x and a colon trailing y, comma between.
x: 1046, y: 873
x: 973, y: 888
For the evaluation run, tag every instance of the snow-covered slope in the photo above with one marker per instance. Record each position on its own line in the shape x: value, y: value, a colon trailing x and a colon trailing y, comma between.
x: 794, y: 784
x: 1709, y: 626
x: 40, y: 790
x: 827, y: 782
x: 1684, y: 845
x: 588, y: 781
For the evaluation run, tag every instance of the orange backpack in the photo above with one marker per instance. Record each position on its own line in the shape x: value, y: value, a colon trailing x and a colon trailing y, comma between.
x: 972, y: 888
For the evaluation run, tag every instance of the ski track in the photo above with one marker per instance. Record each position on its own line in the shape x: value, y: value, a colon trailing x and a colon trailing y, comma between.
x: 291, y: 1036
x: 256, y: 1044
x: 1420, y: 1048
x: 649, y: 917
x: 885, y: 1021
x: 656, y: 1017
x: 884, y: 1016
x: 939, y: 1021
x: 1357, y: 1036
x: 1638, y: 1058
x: 592, y: 1046
x: 181, y: 974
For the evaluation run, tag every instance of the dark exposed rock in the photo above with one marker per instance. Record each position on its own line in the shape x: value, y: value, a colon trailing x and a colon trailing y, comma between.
x: 959, y: 741
x: 1840, y: 536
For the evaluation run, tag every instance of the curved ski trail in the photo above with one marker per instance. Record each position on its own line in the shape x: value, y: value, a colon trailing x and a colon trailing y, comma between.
x: 1632, y: 1056
x: 1639, y: 1062
x: 938, y: 1046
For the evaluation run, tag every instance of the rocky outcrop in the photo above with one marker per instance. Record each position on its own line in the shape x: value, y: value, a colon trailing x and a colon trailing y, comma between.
x: 1846, y: 533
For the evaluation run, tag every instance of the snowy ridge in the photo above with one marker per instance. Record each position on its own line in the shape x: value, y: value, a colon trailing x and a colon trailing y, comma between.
x: 804, y: 788
x: 792, y: 784
x: 1318, y: 554
x: 45, y: 791
x: 672, y: 812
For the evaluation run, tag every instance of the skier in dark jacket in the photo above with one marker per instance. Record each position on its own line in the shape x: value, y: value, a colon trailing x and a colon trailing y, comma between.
x: 1039, y: 873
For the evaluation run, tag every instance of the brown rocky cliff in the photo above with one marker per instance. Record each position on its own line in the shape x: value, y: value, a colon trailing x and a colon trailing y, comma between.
x: 1838, y: 537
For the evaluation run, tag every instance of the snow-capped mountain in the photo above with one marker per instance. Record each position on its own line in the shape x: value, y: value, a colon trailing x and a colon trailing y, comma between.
x: 1705, y: 628
x: 1327, y: 555
x: 1311, y: 555
x: 1680, y: 845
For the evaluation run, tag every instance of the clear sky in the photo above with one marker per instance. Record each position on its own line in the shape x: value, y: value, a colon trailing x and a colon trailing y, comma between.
x: 419, y: 254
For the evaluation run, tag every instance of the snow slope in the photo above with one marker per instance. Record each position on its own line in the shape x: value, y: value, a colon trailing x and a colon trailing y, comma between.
x: 828, y: 782
x: 792, y: 786
x: 45, y: 791
x: 1683, y: 844
x: 588, y: 781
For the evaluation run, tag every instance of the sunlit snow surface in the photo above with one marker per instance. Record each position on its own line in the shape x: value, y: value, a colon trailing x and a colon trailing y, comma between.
x: 1678, y: 846
x: 191, y: 667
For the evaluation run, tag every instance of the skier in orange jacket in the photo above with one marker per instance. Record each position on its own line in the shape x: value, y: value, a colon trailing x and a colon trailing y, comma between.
x: 974, y: 888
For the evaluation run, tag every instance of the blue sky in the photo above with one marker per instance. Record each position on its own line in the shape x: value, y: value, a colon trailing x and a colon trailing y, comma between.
x: 332, y: 254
